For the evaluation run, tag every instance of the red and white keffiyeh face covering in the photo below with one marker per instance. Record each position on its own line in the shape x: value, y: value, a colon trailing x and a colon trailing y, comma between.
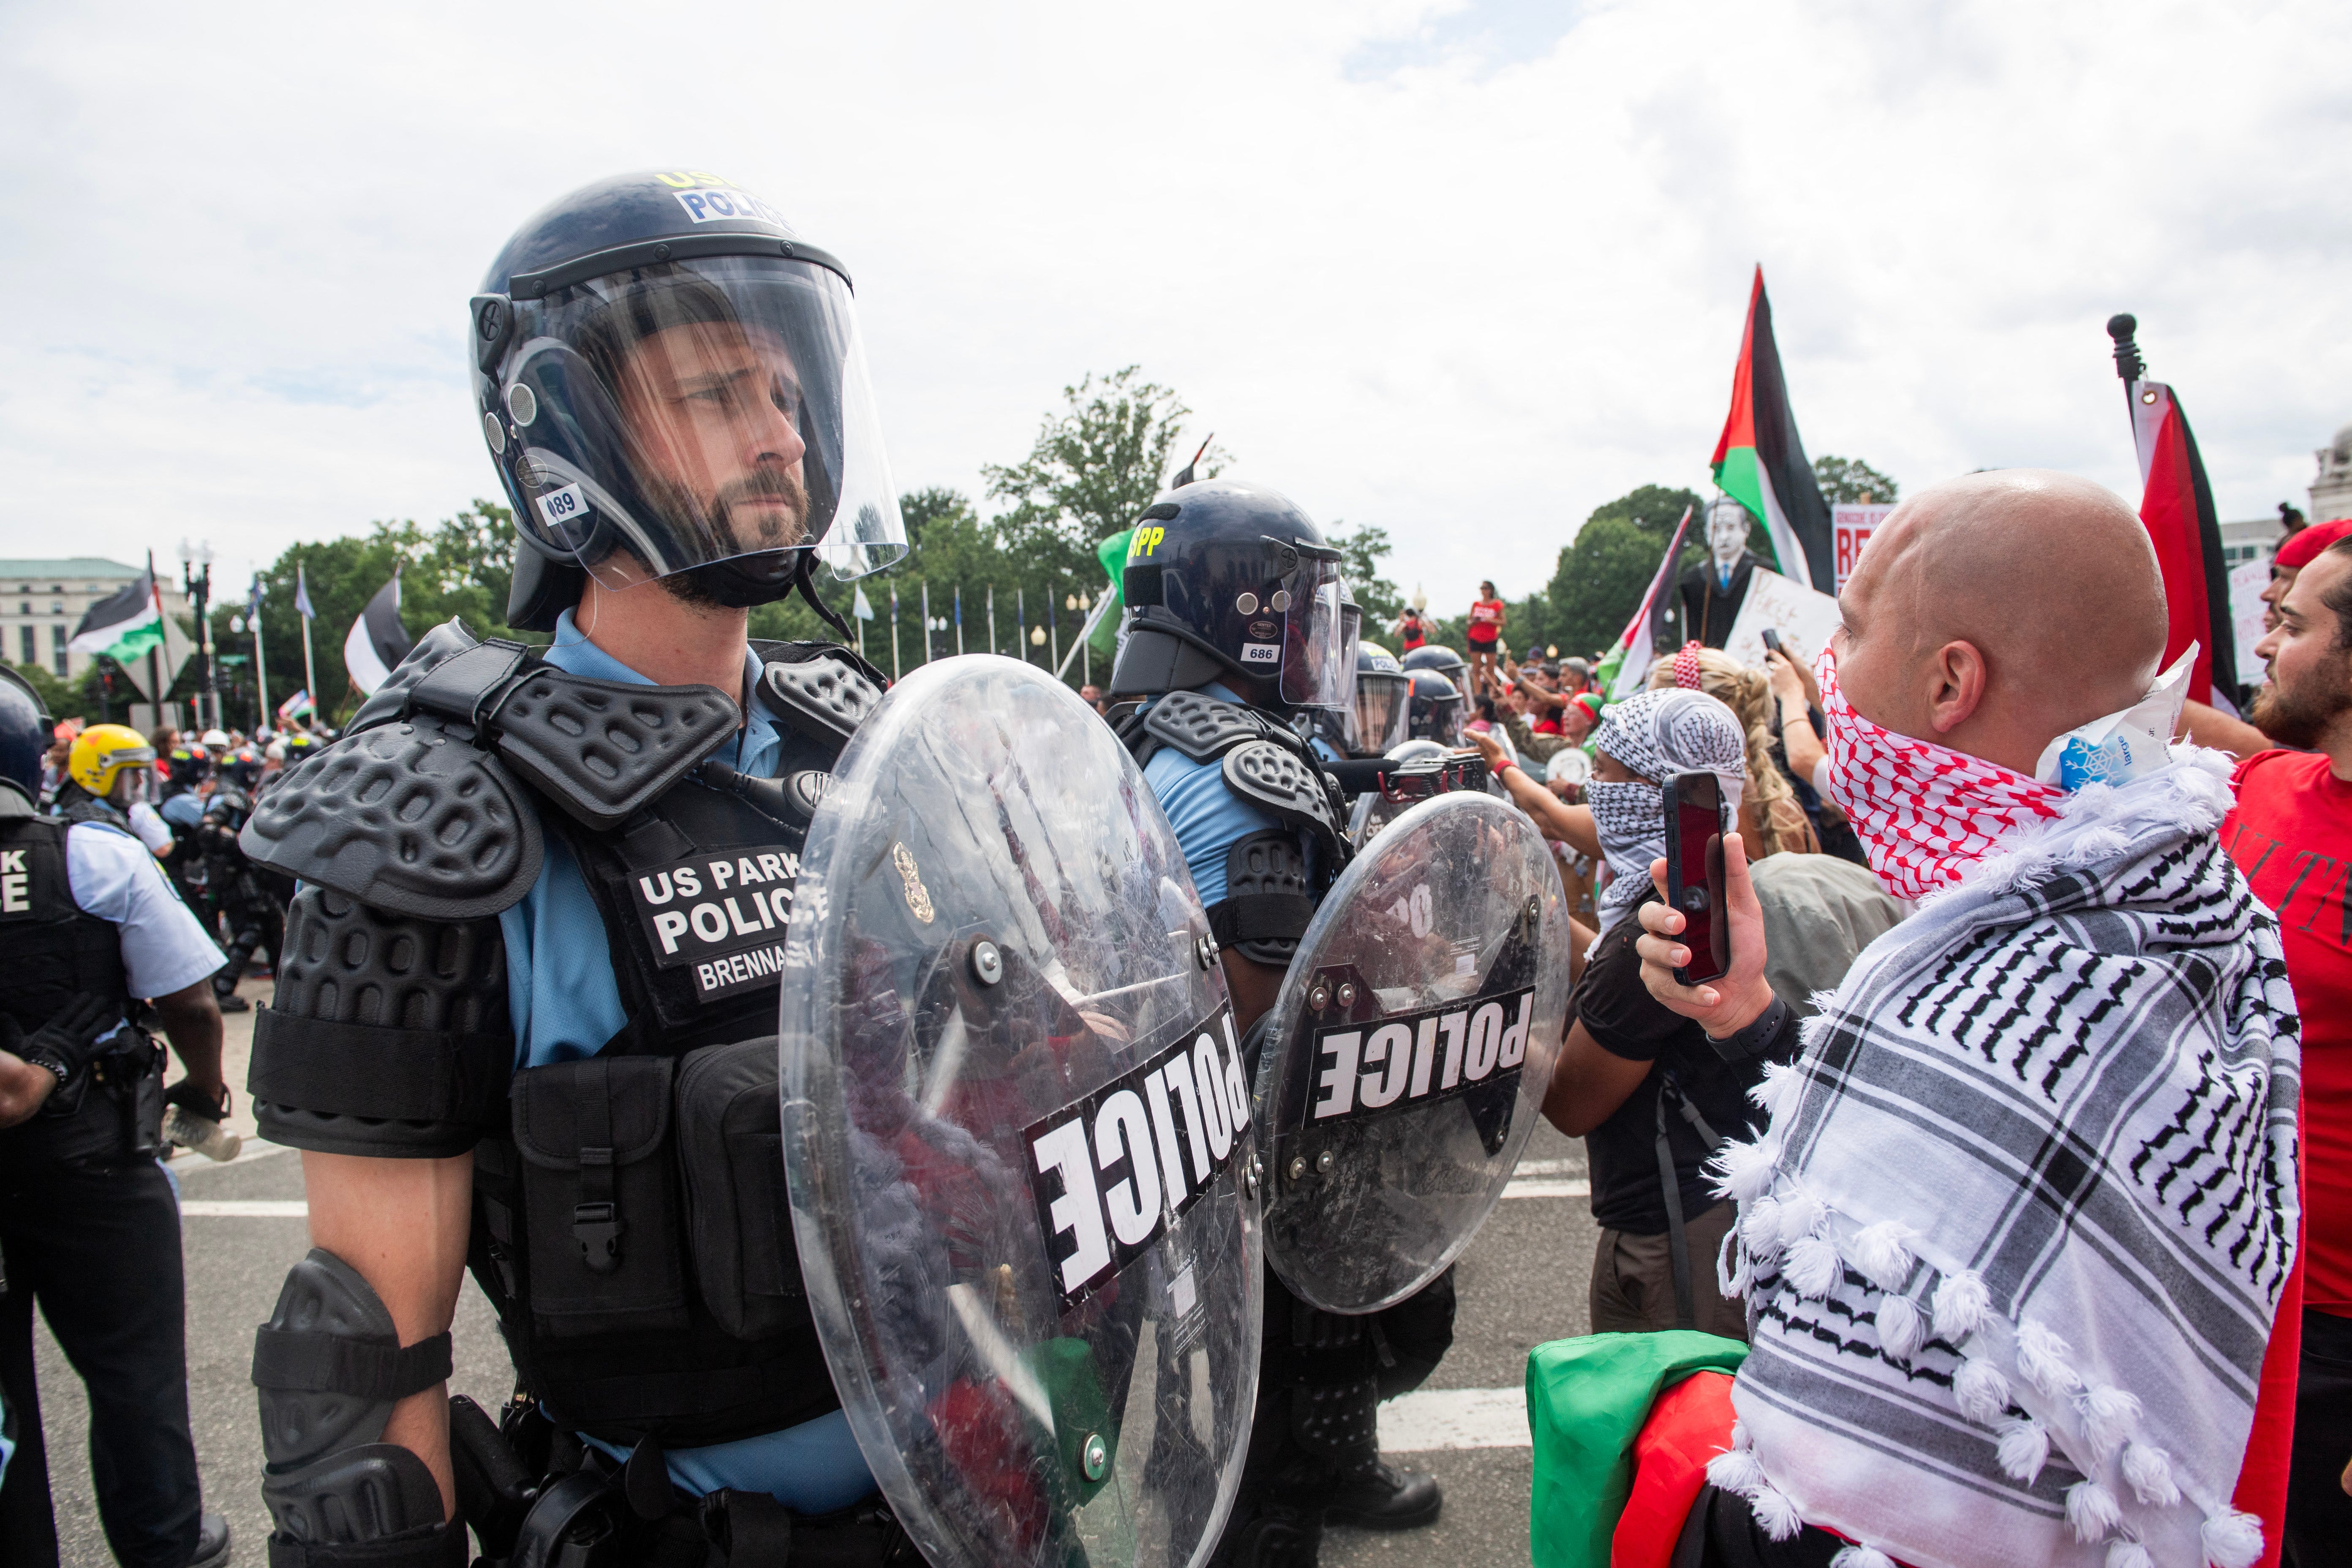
x: 1925, y: 813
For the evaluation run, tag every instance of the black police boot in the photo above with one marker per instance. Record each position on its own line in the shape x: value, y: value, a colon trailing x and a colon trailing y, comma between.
x: 1280, y: 1535
x: 212, y: 1542
x: 1372, y: 1494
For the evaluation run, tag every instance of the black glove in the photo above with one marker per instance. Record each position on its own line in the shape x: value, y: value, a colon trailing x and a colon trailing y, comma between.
x: 63, y: 1044
x: 189, y: 1097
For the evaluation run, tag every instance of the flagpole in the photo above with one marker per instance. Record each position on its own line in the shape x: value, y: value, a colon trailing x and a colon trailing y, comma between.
x: 261, y: 668
x: 927, y: 620
x: 992, y: 617
x: 1054, y: 629
x: 2128, y: 364
x: 154, y: 665
x: 894, y: 633
x: 1021, y: 622
x: 310, y: 673
x: 959, y: 612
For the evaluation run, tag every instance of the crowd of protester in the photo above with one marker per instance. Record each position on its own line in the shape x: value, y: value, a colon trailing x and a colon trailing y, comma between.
x: 1799, y: 1197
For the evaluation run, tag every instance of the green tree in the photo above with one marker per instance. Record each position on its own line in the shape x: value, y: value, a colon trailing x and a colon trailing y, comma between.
x: 1362, y: 553
x: 1094, y: 465
x: 1850, y: 479
x: 1603, y: 571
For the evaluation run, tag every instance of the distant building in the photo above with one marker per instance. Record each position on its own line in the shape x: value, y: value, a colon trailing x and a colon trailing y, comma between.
x: 2331, y: 488
x: 2253, y: 540
x: 41, y: 603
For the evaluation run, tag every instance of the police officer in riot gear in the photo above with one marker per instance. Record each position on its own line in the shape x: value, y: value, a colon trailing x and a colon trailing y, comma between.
x: 534, y: 960
x: 87, y: 1220
x: 1236, y: 626
x: 251, y: 916
x: 1437, y: 711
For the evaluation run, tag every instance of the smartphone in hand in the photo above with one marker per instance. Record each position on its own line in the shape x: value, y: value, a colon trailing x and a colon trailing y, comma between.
x: 1771, y: 640
x: 1695, y: 828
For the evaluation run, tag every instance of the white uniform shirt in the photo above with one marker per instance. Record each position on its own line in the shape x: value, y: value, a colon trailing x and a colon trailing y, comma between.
x: 164, y: 945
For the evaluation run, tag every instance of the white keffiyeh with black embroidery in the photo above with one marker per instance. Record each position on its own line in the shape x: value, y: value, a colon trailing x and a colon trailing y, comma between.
x: 2014, y: 1239
x: 1655, y: 734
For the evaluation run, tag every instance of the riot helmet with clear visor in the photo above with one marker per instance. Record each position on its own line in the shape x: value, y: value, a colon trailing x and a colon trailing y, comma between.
x: 671, y: 382
x: 1233, y: 583
x: 113, y: 762
x: 25, y: 733
x: 1436, y: 708
x: 1381, y: 716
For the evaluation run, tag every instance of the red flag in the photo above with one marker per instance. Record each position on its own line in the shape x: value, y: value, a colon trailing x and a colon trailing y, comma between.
x: 2177, y: 507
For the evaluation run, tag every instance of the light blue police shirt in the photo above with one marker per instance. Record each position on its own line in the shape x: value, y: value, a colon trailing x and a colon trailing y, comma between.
x: 1209, y: 818
x: 164, y: 945
x: 567, y: 1005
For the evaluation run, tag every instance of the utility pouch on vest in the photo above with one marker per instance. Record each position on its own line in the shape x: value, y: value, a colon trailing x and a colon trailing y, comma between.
x: 600, y: 1189
x: 730, y: 1148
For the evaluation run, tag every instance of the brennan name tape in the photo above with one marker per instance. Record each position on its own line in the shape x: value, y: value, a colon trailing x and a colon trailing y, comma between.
x: 1115, y: 1168
x: 723, y: 915
x: 1365, y: 1070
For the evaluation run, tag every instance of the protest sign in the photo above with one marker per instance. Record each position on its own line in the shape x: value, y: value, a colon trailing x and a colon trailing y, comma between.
x: 1850, y: 526
x: 1804, y: 618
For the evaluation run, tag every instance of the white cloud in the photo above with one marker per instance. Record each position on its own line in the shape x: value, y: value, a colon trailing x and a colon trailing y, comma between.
x: 1462, y: 272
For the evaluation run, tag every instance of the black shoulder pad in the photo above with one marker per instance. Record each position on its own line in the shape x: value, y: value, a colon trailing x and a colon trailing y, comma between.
x: 1269, y: 900
x: 601, y: 750
x: 1273, y: 776
x: 823, y: 697
x: 1202, y: 727
x: 390, y: 700
x: 405, y: 817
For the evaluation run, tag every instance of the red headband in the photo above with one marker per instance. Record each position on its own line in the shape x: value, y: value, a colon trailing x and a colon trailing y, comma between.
x: 1686, y: 667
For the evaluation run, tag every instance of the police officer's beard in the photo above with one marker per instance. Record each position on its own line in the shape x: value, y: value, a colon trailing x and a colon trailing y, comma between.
x: 734, y: 529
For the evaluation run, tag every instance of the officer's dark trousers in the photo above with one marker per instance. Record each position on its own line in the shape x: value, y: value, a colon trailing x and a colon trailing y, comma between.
x: 99, y: 1249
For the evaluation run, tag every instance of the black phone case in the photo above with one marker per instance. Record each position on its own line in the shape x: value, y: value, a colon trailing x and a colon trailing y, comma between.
x: 1718, y: 950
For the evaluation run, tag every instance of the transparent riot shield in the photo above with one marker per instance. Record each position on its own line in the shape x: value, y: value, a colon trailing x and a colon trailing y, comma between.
x: 1018, y: 1134
x: 1409, y: 1051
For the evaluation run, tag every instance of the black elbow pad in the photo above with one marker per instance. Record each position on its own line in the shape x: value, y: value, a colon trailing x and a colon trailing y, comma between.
x: 1268, y: 904
x: 390, y: 1035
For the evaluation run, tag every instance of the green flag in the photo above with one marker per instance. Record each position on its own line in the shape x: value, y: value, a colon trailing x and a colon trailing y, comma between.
x: 1112, y: 553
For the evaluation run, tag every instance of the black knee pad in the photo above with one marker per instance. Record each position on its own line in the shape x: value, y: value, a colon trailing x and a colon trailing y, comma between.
x: 329, y: 1366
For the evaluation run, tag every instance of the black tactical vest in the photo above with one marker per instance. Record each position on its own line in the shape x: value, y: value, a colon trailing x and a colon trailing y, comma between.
x: 632, y: 1227
x: 56, y: 955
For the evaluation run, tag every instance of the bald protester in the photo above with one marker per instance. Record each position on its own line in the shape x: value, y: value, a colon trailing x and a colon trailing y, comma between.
x: 2015, y: 1241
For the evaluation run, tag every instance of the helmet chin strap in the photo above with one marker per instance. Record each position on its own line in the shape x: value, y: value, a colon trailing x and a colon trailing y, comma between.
x: 804, y: 579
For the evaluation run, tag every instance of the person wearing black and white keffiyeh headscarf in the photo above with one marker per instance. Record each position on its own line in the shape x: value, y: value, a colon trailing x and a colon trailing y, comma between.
x: 2019, y: 1244
x: 1654, y: 734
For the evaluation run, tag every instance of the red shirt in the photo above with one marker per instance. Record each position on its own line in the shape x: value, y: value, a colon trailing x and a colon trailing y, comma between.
x: 1485, y: 620
x: 2292, y: 835
x: 1410, y: 632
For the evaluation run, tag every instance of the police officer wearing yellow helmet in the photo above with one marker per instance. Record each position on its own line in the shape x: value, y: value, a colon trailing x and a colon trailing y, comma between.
x: 87, y: 1220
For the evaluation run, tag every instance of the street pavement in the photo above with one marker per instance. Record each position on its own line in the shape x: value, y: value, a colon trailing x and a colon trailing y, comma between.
x: 1522, y: 1281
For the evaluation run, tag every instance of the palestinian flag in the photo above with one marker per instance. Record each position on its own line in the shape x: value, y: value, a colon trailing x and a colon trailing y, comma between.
x: 377, y: 641
x: 1760, y: 462
x: 2177, y: 507
x: 123, y: 625
x: 1621, y: 674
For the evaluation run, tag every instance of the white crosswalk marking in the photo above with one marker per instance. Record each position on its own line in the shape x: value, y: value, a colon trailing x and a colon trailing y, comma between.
x: 243, y: 1208
x: 1434, y: 1418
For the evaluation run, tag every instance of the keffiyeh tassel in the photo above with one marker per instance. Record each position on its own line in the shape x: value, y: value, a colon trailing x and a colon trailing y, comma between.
x: 1759, y: 1225
x: 2023, y: 1449
x: 1858, y: 1556
x: 2149, y: 1471
x: 2042, y: 1361
x: 1812, y: 1266
x: 1771, y: 1093
x: 2090, y: 1511
x: 1882, y: 1253
x: 1980, y: 1389
x: 2233, y: 1539
x: 1745, y: 1170
x: 1901, y: 1331
x: 2129, y: 1554
x: 2109, y: 1418
x: 1962, y: 1304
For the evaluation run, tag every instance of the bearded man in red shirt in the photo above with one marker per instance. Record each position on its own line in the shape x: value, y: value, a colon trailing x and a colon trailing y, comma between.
x: 2292, y: 835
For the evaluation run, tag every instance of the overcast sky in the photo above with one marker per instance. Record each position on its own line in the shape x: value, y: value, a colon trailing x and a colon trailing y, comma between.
x: 1461, y: 270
